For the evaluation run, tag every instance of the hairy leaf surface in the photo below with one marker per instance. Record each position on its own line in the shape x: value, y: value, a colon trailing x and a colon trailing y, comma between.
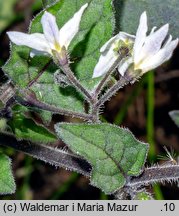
x: 113, y: 152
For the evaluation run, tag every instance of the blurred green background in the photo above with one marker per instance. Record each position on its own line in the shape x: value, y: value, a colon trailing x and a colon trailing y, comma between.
x: 143, y: 108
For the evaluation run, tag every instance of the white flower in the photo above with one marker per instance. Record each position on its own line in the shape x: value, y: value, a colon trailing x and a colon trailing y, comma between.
x: 152, y: 51
x: 149, y: 52
x: 110, y: 54
x: 52, y: 38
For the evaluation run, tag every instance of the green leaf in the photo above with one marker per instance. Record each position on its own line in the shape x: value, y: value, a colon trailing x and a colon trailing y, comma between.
x: 45, y: 116
x: 159, y: 13
x: 6, y: 13
x: 7, y: 184
x: 175, y: 116
x: 96, y: 28
x: 23, y: 69
x: 113, y: 152
x: 25, y: 128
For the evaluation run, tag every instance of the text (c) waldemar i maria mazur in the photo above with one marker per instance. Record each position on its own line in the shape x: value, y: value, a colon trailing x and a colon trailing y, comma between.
x: 104, y: 207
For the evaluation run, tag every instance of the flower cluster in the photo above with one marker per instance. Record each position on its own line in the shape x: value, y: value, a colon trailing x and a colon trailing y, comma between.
x: 146, y: 52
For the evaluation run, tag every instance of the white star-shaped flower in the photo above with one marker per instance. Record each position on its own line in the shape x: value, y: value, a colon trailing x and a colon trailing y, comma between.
x: 53, y: 38
x: 110, y: 54
x: 148, y: 53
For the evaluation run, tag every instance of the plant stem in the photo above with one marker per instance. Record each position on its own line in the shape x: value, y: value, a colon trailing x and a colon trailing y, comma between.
x: 30, y: 101
x: 123, y: 52
x: 66, y: 69
x: 53, y: 156
x: 60, y: 158
x: 105, y: 78
x: 121, y: 83
x: 156, y: 174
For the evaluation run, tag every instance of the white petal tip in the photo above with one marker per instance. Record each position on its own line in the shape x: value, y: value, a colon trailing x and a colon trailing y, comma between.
x: 14, y: 36
x: 122, y: 74
x: 166, y: 27
x: 173, y: 44
x: 10, y: 34
x: 176, y: 42
x: 85, y: 6
x: 144, y: 15
x: 95, y: 75
x: 143, y: 18
x: 82, y: 9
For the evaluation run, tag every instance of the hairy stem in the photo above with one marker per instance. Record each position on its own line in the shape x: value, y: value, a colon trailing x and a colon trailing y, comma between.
x: 30, y: 101
x: 105, y: 78
x: 120, y: 84
x: 53, y: 156
x: 156, y: 174
x: 66, y: 69
x: 123, y: 52
x: 59, y: 158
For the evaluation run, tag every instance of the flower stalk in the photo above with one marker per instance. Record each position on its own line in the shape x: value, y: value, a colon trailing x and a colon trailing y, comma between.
x: 27, y: 99
x: 73, y: 80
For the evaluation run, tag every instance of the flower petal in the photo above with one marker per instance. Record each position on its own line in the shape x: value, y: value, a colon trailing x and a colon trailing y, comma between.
x: 70, y: 29
x: 140, y: 36
x: 153, y: 30
x: 34, y: 53
x: 108, y: 44
x: 153, y: 43
x: 104, y: 64
x: 35, y: 41
x: 50, y: 29
x: 124, y: 65
x: 168, y: 40
x: 121, y: 36
x: 162, y: 56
